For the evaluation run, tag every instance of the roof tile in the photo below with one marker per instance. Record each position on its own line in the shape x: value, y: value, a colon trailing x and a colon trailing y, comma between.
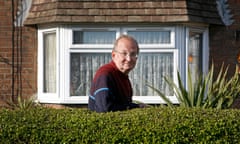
x: 94, y: 11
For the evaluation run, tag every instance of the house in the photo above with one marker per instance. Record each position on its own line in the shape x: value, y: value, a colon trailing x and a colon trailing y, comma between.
x: 51, y: 49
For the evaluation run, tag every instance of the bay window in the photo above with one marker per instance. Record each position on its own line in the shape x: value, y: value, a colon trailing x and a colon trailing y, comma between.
x: 70, y: 56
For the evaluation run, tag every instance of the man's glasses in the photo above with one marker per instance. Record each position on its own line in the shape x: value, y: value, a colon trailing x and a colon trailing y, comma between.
x: 125, y: 54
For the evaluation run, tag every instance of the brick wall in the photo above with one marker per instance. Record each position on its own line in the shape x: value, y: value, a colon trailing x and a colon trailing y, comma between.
x: 24, y: 66
x: 224, y: 46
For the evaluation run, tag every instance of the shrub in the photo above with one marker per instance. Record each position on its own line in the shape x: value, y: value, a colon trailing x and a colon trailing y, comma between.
x: 22, y: 104
x: 151, y: 125
x: 205, y: 91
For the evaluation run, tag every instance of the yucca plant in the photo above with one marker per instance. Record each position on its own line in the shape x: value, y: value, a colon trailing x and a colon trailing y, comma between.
x: 223, y: 91
x: 205, y: 91
x: 21, y: 104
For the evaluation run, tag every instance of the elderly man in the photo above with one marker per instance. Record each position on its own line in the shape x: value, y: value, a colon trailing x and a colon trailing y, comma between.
x: 111, y: 89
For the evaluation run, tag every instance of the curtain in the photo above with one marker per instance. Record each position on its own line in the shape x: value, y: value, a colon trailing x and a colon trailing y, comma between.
x: 50, y: 63
x: 194, y: 54
x: 151, y: 37
x: 93, y: 37
x: 83, y: 68
x: 150, y: 69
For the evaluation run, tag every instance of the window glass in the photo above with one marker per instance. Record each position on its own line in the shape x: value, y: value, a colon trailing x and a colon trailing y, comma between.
x: 49, y: 63
x: 83, y: 68
x: 151, y: 69
x: 195, y: 53
x: 93, y: 37
x: 151, y: 37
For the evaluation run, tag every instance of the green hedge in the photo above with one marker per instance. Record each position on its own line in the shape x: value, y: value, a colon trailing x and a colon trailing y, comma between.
x: 151, y: 125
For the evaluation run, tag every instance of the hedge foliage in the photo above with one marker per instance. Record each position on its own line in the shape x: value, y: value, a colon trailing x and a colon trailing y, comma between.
x: 151, y: 125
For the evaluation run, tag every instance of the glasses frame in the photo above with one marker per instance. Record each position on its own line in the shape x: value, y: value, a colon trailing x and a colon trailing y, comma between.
x: 125, y: 54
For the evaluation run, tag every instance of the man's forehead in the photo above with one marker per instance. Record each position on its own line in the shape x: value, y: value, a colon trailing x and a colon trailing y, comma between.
x: 127, y: 43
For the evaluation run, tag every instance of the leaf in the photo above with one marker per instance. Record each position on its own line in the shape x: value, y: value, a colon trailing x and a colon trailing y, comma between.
x: 168, y: 102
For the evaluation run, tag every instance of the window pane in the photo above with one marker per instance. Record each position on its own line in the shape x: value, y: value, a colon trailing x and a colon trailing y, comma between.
x: 83, y: 68
x: 151, y: 37
x: 195, y: 53
x: 151, y: 69
x: 49, y: 71
x: 94, y: 37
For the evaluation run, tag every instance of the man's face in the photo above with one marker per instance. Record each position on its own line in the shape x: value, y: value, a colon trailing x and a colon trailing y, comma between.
x: 125, y: 55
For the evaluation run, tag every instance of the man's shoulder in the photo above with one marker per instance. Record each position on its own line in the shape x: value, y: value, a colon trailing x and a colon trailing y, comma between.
x: 106, y: 69
x: 109, y: 67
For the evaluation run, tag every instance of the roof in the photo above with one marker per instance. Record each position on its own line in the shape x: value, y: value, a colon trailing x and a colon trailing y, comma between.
x: 120, y: 11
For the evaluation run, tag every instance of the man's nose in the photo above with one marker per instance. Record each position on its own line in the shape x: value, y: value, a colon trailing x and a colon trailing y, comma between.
x: 128, y: 58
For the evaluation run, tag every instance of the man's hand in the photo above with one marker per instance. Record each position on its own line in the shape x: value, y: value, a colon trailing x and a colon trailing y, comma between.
x: 142, y: 105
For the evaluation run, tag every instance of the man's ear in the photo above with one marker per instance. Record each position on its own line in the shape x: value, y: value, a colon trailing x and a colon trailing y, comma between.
x: 113, y: 54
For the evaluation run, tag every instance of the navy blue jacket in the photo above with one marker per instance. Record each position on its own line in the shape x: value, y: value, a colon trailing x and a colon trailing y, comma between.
x: 111, y: 90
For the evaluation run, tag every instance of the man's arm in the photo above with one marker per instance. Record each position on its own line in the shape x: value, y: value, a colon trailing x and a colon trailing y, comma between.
x: 105, y: 98
x: 104, y: 101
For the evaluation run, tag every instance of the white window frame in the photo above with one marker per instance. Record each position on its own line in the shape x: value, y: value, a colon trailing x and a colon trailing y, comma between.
x: 158, y: 99
x: 149, y: 48
x: 42, y: 96
x: 205, y: 51
x: 178, y: 46
x: 80, y: 48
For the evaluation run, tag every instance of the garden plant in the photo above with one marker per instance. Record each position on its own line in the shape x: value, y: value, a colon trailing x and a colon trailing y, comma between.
x: 206, y: 91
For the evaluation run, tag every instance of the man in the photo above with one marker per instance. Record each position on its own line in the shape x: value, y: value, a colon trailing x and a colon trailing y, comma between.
x: 111, y: 89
